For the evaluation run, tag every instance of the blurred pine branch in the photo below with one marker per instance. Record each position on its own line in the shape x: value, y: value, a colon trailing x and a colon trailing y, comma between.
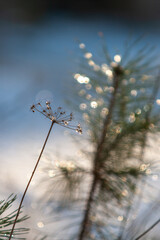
x: 7, y: 219
x: 117, y: 99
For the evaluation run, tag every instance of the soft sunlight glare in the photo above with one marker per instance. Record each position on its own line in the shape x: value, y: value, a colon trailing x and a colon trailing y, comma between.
x: 88, y: 55
x: 88, y: 86
x: 134, y: 93
x: 94, y: 104
x: 132, y: 118
x: 82, y: 45
x: 104, y: 112
x: 132, y: 80
x: 158, y: 101
x: 91, y: 63
x: 117, y: 58
x: 124, y: 193
x: 83, y: 106
x: 99, y: 90
x: 40, y: 224
x: 155, y: 177
x: 51, y: 173
x: 88, y: 96
x: 120, y: 218
x: 82, y: 92
x: 138, y: 111
x: 81, y: 79
x: 109, y: 73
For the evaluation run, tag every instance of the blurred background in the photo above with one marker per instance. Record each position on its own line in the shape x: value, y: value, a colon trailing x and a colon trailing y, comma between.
x: 38, y: 56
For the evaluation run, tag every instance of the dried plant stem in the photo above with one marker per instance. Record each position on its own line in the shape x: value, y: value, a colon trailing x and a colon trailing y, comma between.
x: 97, y: 163
x: 148, y: 230
x: 40, y: 155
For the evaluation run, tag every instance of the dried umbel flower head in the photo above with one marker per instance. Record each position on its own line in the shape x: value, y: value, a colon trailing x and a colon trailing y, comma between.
x: 59, y: 116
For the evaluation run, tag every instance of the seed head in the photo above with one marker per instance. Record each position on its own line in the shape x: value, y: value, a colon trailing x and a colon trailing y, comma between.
x: 60, y: 117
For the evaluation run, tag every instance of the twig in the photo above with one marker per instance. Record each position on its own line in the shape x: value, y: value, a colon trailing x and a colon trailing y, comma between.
x: 148, y: 230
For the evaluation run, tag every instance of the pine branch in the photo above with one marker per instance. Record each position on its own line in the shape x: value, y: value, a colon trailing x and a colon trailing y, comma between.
x: 147, y: 119
x: 118, y: 119
x: 7, y: 220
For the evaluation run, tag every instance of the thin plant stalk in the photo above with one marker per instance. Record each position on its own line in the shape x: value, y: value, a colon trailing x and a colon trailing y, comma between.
x: 148, y: 230
x: 38, y: 160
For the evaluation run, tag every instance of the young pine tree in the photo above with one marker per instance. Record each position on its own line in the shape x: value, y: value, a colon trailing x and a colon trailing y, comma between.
x: 118, y: 101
